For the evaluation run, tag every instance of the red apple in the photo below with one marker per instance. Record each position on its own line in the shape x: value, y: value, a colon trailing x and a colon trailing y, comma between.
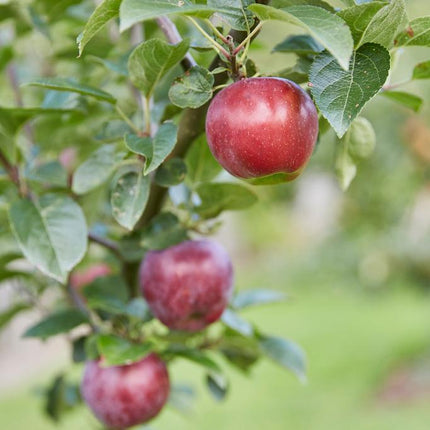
x: 81, y: 278
x: 124, y: 396
x: 187, y: 286
x: 262, y: 128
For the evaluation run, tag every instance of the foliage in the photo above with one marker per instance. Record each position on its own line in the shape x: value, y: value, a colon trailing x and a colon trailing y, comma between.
x: 109, y: 149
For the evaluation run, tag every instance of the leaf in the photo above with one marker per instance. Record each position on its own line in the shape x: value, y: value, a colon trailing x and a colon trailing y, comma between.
x: 151, y: 60
x: 297, y: 73
x: 218, y: 197
x: 96, y: 169
x: 193, y: 89
x: 65, y: 84
x: 57, y: 323
x: 104, y: 12
x: 78, y: 350
x: 139, y: 310
x: 341, y: 95
x: 345, y: 166
x: 376, y: 22
x: 422, y: 71
x: 6, y: 54
x: 51, y: 233
x: 288, y: 3
x: 129, y: 195
x: 163, y: 231
x: 51, y: 173
x: 300, y: 44
x: 245, y: 299
x: 201, y: 164
x: 181, y: 397
x: 286, y: 353
x: 237, y: 323
x: 361, y: 139
x: 193, y: 355
x: 417, y: 33
x: 218, y: 385
x: 234, y: 12
x: 133, y: 11
x: 107, y: 293
x: 154, y: 150
x: 7, y: 316
x: 411, y: 101
x: 117, y: 351
x: 326, y: 28
x: 171, y: 173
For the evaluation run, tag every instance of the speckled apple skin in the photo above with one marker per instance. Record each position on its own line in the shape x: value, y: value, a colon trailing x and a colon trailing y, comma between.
x: 187, y: 286
x: 262, y: 126
x: 123, y: 396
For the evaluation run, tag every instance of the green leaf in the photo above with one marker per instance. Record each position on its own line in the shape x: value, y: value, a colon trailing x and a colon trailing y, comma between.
x: 138, y: 309
x: 287, y: 3
x: 151, y: 60
x: 298, y: 73
x: 117, y: 351
x: 234, y: 12
x: 57, y: 323
x: 129, y: 195
x: 237, y: 323
x: 133, y: 11
x: 300, y: 44
x: 218, y: 385
x: 108, y: 293
x: 193, y: 89
x: 154, y: 150
x: 422, y: 71
x: 163, y: 231
x: 340, y: 95
x: 65, y: 84
x: 245, y: 299
x: 286, y: 353
x: 7, y: 316
x: 96, y: 169
x: 51, y: 173
x: 78, y: 350
x: 104, y: 12
x: 376, y: 22
x: 411, y: 101
x: 6, y: 54
x: 194, y: 355
x: 51, y: 233
x: 326, y: 28
x: 345, y: 166
x: 218, y: 197
x: 181, y: 397
x: 417, y: 34
x: 170, y: 173
x: 201, y: 164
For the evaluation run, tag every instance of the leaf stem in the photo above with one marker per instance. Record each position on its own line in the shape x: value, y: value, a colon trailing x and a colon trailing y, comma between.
x: 127, y: 119
x: 248, y: 38
x: 147, y: 113
x: 216, y: 31
x: 218, y: 48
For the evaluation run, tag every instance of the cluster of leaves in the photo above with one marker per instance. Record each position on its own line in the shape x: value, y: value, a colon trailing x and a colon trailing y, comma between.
x: 114, y: 152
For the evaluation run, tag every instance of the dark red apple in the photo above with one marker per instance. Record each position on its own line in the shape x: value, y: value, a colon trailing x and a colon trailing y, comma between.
x: 187, y: 286
x: 262, y: 128
x: 124, y: 396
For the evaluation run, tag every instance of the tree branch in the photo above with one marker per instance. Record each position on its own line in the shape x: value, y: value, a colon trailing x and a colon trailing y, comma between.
x: 106, y: 243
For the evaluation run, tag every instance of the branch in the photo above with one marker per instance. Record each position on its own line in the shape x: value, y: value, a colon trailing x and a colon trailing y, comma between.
x: 173, y: 36
x: 106, y: 243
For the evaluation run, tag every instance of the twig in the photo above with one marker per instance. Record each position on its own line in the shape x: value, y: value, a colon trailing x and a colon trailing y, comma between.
x: 173, y: 36
x: 106, y: 243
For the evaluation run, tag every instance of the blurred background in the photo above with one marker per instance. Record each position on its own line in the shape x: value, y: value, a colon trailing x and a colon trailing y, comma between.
x: 356, y: 268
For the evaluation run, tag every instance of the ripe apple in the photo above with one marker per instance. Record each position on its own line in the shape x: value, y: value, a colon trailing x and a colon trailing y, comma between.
x: 124, y: 396
x: 81, y: 278
x: 187, y: 286
x: 262, y: 129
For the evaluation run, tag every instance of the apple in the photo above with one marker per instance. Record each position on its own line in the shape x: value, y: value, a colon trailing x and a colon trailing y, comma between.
x: 81, y: 278
x: 124, y: 396
x: 262, y: 129
x: 187, y: 286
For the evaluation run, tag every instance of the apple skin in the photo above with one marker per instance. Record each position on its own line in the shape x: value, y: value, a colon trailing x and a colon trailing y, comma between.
x: 187, y: 286
x: 259, y: 127
x: 81, y: 278
x: 124, y: 396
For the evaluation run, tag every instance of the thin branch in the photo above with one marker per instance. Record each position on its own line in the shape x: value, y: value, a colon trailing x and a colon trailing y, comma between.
x: 171, y: 32
x: 106, y: 243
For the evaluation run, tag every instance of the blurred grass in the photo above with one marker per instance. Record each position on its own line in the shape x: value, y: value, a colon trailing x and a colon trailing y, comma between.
x: 353, y: 342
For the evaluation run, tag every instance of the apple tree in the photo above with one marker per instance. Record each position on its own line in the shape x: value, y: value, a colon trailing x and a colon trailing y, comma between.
x: 118, y: 125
